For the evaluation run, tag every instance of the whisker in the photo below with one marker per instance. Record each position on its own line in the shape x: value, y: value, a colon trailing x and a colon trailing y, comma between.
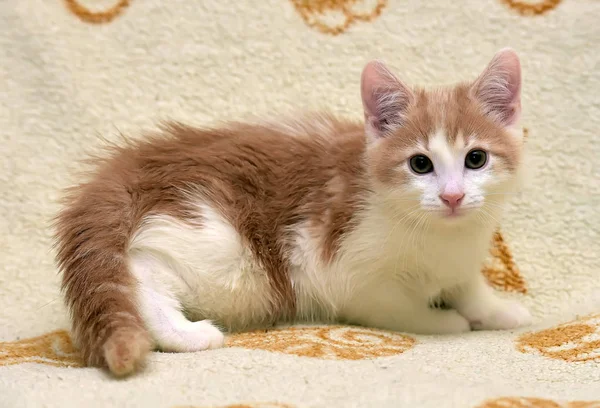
x: 483, y: 219
x: 401, y: 245
x: 420, y: 246
x: 413, y: 230
x: 508, y: 193
x: 490, y: 216
x: 407, y: 199
x: 43, y: 306
x: 494, y: 205
x: 412, y: 210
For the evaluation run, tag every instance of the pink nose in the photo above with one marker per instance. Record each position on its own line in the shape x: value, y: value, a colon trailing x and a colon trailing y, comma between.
x: 452, y: 200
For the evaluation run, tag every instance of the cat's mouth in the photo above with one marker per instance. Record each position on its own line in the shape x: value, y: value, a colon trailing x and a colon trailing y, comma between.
x: 453, y: 213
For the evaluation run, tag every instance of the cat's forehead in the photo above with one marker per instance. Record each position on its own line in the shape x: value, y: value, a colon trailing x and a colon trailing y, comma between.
x: 445, y: 147
x: 448, y: 119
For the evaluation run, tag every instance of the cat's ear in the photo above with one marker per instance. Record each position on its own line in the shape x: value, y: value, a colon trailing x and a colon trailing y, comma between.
x: 385, y: 99
x: 498, y: 88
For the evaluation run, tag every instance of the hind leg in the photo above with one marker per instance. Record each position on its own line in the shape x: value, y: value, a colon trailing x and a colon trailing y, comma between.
x: 169, y: 327
x: 164, y: 318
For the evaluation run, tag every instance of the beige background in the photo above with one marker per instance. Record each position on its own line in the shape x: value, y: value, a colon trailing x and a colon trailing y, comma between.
x: 64, y: 82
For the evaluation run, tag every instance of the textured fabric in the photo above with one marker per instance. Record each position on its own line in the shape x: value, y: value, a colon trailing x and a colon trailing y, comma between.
x: 71, y: 75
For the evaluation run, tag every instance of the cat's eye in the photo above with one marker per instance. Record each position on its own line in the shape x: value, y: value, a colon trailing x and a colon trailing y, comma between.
x: 475, y: 159
x: 421, y: 164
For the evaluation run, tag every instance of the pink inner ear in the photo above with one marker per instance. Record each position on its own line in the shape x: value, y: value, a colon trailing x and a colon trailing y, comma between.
x: 370, y: 81
x: 385, y: 99
x: 498, y: 88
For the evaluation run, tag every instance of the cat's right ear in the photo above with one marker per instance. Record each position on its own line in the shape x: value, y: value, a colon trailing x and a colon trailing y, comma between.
x: 385, y: 100
x: 498, y: 88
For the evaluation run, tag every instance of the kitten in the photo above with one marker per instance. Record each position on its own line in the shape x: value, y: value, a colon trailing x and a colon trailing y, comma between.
x: 314, y: 219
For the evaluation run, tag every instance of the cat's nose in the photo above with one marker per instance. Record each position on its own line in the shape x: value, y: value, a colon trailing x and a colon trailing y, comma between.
x: 452, y: 200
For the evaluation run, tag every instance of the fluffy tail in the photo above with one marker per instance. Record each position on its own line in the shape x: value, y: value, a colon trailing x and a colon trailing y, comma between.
x: 92, y: 234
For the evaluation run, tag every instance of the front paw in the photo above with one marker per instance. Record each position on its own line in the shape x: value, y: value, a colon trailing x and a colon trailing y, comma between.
x: 504, y: 315
x: 454, y: 323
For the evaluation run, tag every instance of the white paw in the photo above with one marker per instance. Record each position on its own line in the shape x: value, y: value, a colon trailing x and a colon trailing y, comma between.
x: 454, y: 323
x: 505, y: 315
x: 193, y: 336
x: 438, y: 322
x: 204, y: 335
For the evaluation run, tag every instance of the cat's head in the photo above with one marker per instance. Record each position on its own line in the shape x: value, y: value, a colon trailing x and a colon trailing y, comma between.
x: 450, y: 153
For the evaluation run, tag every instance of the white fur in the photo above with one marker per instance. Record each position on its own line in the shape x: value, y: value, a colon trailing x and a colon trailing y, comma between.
x: 403, y: 253
x: 205, y: 271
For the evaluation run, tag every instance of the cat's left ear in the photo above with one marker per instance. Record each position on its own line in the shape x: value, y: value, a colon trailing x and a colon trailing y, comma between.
x: 385, y: 100
x: 498, y: 88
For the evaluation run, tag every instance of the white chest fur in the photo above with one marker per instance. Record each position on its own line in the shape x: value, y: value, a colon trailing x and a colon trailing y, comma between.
x: 383, y: 262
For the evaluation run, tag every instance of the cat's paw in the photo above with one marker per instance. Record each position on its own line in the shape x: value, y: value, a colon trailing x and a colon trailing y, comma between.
x: 504, y: 315
x: 453, y: 323
x: 437, y: 322
x: 204, y: 335
x: 193, y: 336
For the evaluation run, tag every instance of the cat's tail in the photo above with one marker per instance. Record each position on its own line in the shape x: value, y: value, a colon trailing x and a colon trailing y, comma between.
x: 92, y: 234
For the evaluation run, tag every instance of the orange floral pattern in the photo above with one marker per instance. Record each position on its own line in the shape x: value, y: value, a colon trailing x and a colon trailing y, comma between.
x: 336, y: 16
x: 532, y: 8
x: 53, y: 348
x: 246, y: 405
x: 326, y: 342
x: 520, y: 402
x: 576, y: 341
x: 501, y: 270
x: 97, y: 17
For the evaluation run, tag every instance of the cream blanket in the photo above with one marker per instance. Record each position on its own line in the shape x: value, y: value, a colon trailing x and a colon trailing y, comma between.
x: 72, y: 71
